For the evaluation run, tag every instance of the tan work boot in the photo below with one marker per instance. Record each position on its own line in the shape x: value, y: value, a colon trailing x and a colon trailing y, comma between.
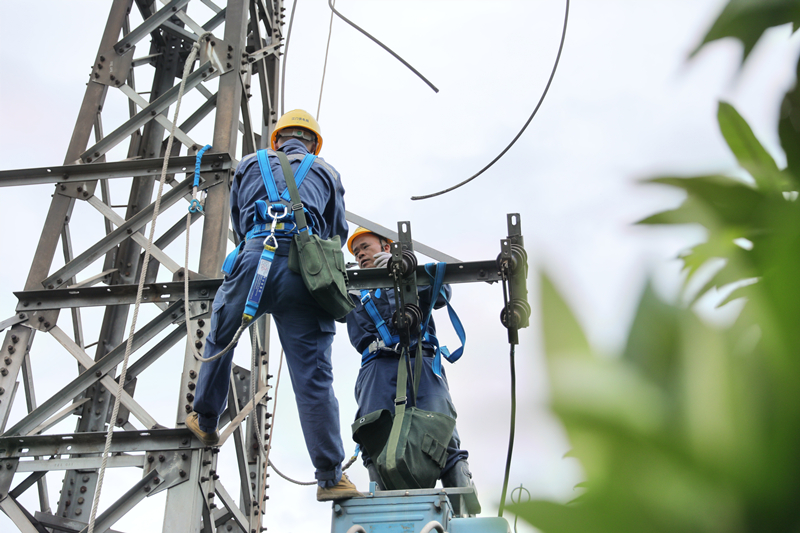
x: 342, y: 490
x: 193, y: 425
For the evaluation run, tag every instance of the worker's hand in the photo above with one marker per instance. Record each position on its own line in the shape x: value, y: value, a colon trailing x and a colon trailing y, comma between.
x: 381, y: 259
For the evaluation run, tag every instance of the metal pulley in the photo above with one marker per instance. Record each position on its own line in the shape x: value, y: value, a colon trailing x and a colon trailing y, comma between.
x: 520, y: 312
x: 413, y: 318
x: 518, y: 259
x: 408, y: 264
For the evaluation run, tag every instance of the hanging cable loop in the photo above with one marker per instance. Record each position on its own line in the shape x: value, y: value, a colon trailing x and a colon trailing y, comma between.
x: 524, y: 127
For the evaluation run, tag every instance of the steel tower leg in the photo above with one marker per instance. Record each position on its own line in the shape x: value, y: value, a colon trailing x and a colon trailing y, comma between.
x: 239, y: 42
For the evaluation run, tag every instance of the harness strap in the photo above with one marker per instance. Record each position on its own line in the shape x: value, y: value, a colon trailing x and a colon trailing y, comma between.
x: 380, y: 323
x: 387, y: 340
x: 266, y: 171
x: 437, y: 288
x: 262, y: 209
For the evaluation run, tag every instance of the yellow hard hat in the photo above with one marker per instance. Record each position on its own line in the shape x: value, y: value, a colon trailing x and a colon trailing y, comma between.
x: 360, y: 231
x: 297, y: 118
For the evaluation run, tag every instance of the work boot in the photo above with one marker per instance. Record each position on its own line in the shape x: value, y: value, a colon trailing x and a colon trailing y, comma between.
x: 193, y: 425
x: 341, y: 491
x: 372, y: 470
x: 459, y: 476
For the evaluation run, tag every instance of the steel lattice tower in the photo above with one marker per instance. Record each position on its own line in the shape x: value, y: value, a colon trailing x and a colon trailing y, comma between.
x: 240, y: 45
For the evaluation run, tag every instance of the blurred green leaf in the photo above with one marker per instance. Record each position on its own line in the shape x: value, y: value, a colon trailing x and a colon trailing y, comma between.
x: 747, y: 20
x: 563, y: 334
x: 748, y: 150
x: 730, y: 200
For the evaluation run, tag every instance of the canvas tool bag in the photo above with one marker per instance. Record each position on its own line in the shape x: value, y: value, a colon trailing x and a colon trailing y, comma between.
x: 320, y: 262
x: 409, y: 449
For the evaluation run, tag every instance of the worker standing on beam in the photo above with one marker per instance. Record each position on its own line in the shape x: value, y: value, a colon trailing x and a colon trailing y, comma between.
x: 305, y: 329
x: 373, y: 335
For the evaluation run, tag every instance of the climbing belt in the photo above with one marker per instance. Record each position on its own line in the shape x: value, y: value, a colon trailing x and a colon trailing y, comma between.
x: 186, y: 70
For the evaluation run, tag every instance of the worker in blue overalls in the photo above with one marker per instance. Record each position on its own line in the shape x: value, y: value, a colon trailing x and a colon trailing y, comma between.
x: 305, y: 329
x: 376, y: 341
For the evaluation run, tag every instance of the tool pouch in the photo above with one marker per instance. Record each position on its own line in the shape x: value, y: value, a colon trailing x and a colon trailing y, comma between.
x: 319, y: 262
x: 410, y: 448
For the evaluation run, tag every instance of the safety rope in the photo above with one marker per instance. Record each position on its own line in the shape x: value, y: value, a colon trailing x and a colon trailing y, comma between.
x: 129, y: 344
x: 325, y: 64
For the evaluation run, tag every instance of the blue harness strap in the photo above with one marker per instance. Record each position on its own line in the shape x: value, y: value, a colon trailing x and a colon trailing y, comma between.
x: 266, y: 172
x: 262, y: 218
x: 437, y: 288
x: 387, y: 338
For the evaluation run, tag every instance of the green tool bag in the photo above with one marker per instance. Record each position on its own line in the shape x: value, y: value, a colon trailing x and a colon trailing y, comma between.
x: 320, y: 262
x: 410, y: 449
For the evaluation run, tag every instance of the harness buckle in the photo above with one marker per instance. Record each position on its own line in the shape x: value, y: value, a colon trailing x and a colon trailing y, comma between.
x: 401, y: 400
x: 298, y: 206
x: 273, y: 214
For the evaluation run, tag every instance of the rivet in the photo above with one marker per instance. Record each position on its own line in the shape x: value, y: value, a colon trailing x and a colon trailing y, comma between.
x: 83, y: 489
x: 78, y: 511
x: 161, y: 458
x: 198, y: 344
x: 190, y: 396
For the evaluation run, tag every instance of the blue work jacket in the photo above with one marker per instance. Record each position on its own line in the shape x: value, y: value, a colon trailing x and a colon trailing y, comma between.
x: 361, y: 328
x: 321, y: 192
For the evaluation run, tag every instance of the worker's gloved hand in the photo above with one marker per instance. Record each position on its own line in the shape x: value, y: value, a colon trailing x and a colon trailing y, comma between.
x: 381, y: 259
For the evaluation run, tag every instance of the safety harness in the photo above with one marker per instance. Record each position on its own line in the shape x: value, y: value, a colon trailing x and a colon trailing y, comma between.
x: 388, y: 342
x: 272, y: 219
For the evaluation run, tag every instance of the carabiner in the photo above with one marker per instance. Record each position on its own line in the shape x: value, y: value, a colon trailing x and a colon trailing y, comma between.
x: 271, y: 238
x: 195, y: 206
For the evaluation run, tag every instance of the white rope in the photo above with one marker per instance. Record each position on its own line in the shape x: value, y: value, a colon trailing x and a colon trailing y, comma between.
x: 186, y: 70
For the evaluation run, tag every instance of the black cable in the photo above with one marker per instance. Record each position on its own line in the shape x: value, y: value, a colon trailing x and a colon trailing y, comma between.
x: 376, y: 41
x: 514, y: 140
x: 511, y: 431
x: 512, y: 426
x: 285, y: 54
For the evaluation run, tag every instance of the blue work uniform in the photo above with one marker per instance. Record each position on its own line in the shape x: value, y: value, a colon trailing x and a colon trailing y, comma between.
x: 376, y: 385
x: 305, y: 329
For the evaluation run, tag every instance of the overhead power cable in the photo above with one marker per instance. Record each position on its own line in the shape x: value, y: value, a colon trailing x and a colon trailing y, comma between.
x: 524, y: 127
x: 376, y: 41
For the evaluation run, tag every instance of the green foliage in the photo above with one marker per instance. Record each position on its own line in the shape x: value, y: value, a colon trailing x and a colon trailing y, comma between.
x: 693, y: 428
x: 747, y: 20
x: 696, y: 428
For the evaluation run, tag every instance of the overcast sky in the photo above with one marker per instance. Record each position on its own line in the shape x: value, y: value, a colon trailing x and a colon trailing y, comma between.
x: 625, y: 105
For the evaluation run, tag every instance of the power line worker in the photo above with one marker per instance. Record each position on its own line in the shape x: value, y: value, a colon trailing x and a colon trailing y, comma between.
x: 372, y: 334
x: 305, y: 329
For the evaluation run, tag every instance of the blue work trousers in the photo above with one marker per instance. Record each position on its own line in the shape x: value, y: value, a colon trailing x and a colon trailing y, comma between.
x: 376, y: 388
x: 306, y: 334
